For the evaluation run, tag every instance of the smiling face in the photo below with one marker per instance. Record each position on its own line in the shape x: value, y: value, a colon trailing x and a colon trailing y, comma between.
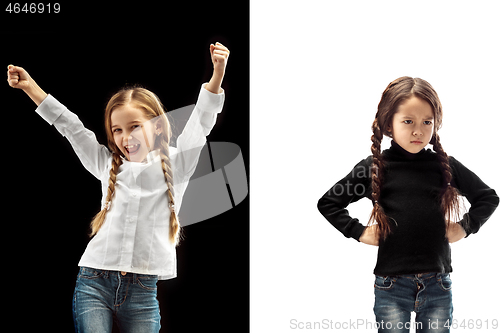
x: 133, y: 132
x: 413, y: 124
x: 135, y: 119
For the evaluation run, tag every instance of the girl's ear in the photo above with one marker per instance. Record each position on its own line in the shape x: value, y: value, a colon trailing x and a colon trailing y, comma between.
x: 158, y: 126
x: 389, y: 130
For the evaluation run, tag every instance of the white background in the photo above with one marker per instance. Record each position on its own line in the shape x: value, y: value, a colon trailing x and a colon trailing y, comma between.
x: 318, y: 69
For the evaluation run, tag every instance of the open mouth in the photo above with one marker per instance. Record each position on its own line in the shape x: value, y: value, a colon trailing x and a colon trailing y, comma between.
x: 132, y: 149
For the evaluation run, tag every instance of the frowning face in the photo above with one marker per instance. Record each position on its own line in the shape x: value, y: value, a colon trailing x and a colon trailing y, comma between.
x: 413, y: 124
x: 133, y: 133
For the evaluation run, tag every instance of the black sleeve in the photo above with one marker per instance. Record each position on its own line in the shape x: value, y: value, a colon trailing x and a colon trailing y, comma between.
x: 482, y: 198
x: 354, y: 186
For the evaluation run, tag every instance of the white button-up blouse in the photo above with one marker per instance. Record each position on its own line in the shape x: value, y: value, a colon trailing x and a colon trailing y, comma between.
x: 135, y: 234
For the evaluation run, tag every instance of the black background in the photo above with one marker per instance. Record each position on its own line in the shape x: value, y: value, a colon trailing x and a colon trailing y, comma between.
x: 82, y: 56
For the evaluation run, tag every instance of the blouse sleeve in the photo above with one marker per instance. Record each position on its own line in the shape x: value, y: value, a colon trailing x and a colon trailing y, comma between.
x: 351, y: 188
x: 94, y: 156
x: 193, y: 137
x: 482, y: 198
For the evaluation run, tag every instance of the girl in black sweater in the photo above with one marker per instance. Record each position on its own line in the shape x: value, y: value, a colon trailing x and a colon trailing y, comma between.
x: 416, y: 209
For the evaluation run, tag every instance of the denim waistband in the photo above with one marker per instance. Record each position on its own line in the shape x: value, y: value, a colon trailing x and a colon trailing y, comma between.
x: 123, y: 275
x: 421, y: 275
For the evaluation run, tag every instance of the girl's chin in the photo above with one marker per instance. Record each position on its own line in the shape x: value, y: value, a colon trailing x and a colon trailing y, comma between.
x: 138, y: 156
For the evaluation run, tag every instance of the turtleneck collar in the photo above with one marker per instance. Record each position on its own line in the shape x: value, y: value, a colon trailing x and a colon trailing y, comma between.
x: 398, y: 152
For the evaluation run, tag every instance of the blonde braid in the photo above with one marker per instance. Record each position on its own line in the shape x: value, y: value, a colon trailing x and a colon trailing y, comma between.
x: 98, y: 220
x: 166, y: 166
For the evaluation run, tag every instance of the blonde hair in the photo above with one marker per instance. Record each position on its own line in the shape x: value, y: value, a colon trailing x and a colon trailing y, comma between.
x: 152, y: 107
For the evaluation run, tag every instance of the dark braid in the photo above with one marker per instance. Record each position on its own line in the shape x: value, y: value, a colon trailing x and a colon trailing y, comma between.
x: 450, y: 203
x: 378, y: 214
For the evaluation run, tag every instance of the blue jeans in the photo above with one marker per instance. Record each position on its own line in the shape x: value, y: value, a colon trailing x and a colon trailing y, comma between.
x: 102, y: 297
x: 429, y: 295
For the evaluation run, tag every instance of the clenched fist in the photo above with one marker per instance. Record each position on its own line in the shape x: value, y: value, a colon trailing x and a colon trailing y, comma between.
x: 370, y: 236
x: 219, y: 54
x: 455, y: 232
x: 18, y: 77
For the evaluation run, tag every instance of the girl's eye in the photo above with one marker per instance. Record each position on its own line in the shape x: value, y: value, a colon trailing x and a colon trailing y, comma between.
x: 116, y: 130
x: 428, y: 122
x: 408, y: 122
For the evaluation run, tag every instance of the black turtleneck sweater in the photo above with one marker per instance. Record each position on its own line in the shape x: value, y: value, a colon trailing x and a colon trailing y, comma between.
x: 410, y: 196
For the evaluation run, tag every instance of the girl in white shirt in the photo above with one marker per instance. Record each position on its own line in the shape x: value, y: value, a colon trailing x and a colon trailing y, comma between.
x: 143, y: 182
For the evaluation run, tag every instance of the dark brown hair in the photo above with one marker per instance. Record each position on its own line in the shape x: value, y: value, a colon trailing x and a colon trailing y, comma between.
x: 397, y: 92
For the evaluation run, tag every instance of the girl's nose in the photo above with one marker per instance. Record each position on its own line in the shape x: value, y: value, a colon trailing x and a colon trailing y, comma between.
x: 126, y: 138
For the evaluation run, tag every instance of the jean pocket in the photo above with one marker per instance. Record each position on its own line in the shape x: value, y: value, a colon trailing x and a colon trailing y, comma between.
x: 148, y: 283
x: 90, y: 273
x: 385, y: 282
x: 444, y: 281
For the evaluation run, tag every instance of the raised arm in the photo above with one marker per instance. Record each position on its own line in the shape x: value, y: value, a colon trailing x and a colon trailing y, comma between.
x: 94, y: 156
x: 202, y: 119
x: 219, y: 54
x: 19, y: 78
